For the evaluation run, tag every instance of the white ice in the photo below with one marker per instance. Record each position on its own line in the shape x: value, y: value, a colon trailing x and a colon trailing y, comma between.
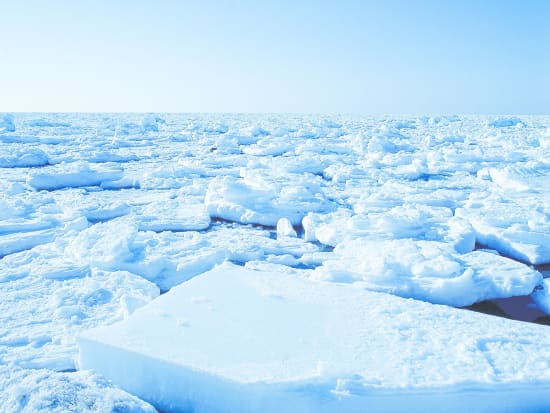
x: 400, y: 222
x: 427, y: 270
x: 239, y: 340
x: 72, y: 175
x: 99, y: 213
x: 45, y: 391
x: 517, y: 226
x: 254, y: 200
x: 21, y: 157
x: 48, y: 299
x: 7, y: 123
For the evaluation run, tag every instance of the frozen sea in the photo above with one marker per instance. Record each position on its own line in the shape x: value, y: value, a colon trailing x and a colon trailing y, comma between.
x: 269, y: 263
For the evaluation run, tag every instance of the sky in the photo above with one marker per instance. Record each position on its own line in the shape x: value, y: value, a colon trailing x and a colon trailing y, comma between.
x: 371, y: 57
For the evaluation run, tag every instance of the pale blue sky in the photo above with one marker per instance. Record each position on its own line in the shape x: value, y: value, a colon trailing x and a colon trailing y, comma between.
x: 431, y: 56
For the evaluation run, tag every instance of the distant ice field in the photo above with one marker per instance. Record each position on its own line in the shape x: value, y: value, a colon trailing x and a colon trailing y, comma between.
x: 100, y: 214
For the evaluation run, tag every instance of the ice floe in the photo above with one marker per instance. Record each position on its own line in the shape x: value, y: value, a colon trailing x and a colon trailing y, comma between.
x: 256, y: 201
x: 407, y: 221
x: 505, y: 122
x: 174, y: 215
x: 516, y: 227
x: 100, y: 213
x: 22, y: 157
x: 7, y: 123
x: 271, y: 342
x: 427, y: 270
x: 47, y: 299
x: 71, y: 176
x: 46, y: 391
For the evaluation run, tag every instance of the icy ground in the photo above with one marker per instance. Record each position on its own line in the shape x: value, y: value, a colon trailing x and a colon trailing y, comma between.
x: 99, y: 214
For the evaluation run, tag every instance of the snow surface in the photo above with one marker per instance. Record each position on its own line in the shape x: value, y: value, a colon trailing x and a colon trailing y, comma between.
x: 45, y: 391
x: 99, y: 213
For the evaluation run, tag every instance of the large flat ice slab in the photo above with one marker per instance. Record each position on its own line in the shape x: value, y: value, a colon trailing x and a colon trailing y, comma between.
x: 237, y: 340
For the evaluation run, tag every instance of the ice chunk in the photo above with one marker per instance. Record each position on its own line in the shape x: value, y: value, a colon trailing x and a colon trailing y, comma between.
x: 329, y: 123
x: 523, y: 179
x: 124, y: 183
x: 45, y: 391
x: 285, y: 229
x: 168, y: 258
x: 22, y: 158
x: 244, y: 244
x: 505, y: 122
x: 517, y: 228
x: 7, y: 124
x: 70, y: 297
x: 137, y: 130
x: 272, y: 146
x: 23, y: 139
x: 111, y: 156
x: 150, y: 123
x: 104, y: 245
x: 163, y: 258
x: 42, y: 123
x: 237, y: 200
x: 173, y: 215
x: 427, y: 270
x: 251, y: 135
x: 14, y: 225
x: 211, y: 126
x: 541, y: 296
x: 407, y: 221
x: 388, y: 140
x: 333, y: 226
x: 29, y: 218
x: 95, y: 206
x: 11, y: 243
x: 312, y: 346
x: 71, y: 175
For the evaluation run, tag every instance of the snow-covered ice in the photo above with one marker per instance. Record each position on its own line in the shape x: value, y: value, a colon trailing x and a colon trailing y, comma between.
x: 401, y: 222
x: 518, y: 225
x: 427, y: 270
x: 21, y: 157
x: 48, y: 299
x: 174, y: 215
x: 286, y: 343
x: 46, y: 391
x: 254, y: 200
x: 73, y: 176
x: 101, y: 213
x: 7, y: 124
